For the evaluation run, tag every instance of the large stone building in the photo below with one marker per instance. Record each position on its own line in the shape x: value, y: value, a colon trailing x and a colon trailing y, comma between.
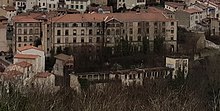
x: 74, y: 30
x: 87, y: 29
x: 26, y: 31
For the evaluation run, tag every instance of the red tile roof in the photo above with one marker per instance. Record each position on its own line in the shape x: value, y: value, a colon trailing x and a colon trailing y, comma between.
x: 174, y: 4
x: 43, y: 75
x: 21, y: 18
x: 23, y: 64
x: 11, y: 74
x: 192, y: 10
x: 28, y: 47
x: 26, y: 56
x: 126, y: 17
x: 10, y: 8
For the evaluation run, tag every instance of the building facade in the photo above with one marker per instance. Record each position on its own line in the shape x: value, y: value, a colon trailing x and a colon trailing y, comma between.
x: 26, y: 31
x: 87, y: 29
x: 79, y: 5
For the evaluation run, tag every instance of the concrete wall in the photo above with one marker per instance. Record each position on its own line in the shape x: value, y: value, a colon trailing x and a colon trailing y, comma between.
x: 183, y: 18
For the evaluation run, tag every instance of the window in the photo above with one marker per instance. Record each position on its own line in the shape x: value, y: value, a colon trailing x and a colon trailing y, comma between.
x: 117, y: 32
x: 82, y: 32
x: 147, y: 23
x: 77, y: 6
x: 66, y: 40
x: 171, y: 37
x: 30, y: 38
x: 82, y: 40
x: 163, y: 30
x: 89, y: 24
x: 163, y: 23
x: 155, y: 23
x: 36, y: 31
x: 72, y: 6
x: 25, y: 44
x: 172, y: 23
x: 19, y: 39
x: 58, y: 40
x: 139, y: 24
x: 49, y: 5
x: 130, y: 38
x: 108, y: 40
x: 66, y: 32
x: 139, y: 30
x: 90, y: 31
x: 155, y: 31
x: 19, y: 25
x: 81, y: 6
x: 31, y: 31
x: 74, y: 31
x: 25, y: 38
x: 74, y: 25
x: 58, y: 25
x: 108, y: 32
x: 58, y: 32
x: 66, y: 25
x: 113, y: 31
x: 139, y: 38
x: 172, y: 31
x: 98, y: 40
x: 147, y: 30
x: 19, y: 31
x: 25, y: 25
x: 25, y: 31
x: 54, y: 6
x: 19, y: 45
x: 98, y: 32
x: 37, y: 24
x: 90, y: 39
x: 74, y: 40
x: 131, y: 31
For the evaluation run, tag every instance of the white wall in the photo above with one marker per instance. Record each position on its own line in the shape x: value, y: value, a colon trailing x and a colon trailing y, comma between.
x: 41, y: 60
x: 170, y: 8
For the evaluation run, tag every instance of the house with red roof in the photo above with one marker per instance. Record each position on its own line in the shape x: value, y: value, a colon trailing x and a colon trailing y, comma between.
x: 24, y: 67
x: 44, y: 81
x: 32, y: 55
x: 174, y: 6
